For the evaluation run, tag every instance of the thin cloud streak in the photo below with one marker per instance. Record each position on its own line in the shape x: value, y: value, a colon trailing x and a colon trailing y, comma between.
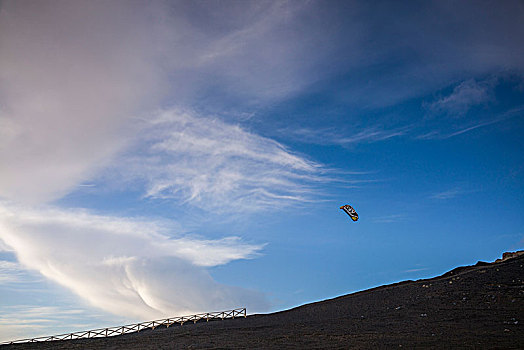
x: 332, y: 137
x: 463, y: 131
x: 371, y: 135
x: 416, y: 270
x: 517, y: 112
x: 387, y: 219
x: 449, y: 194
x: 513, y: 113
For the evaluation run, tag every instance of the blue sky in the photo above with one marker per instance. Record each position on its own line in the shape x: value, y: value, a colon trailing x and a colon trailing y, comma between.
x: 166, y: 158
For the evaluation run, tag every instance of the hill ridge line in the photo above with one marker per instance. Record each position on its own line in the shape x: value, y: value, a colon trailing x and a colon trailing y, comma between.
x: 457, y: 271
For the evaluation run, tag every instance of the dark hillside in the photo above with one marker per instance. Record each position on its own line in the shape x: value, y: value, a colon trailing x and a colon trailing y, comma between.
x: 474, y: 307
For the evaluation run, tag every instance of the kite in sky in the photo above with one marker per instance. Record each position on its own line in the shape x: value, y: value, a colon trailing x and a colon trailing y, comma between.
x: 350, y: 211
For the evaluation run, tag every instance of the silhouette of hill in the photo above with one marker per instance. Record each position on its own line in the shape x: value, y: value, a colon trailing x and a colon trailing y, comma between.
x: 472, y: 307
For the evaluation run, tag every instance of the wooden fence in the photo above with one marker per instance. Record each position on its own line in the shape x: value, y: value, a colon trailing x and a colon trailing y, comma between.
x: 136, y: 327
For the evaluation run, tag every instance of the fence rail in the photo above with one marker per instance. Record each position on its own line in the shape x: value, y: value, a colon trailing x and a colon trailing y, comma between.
x: 136, y: 327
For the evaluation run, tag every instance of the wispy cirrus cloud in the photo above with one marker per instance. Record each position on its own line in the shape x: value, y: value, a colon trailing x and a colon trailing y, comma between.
x: 207, y: 162
x: 66, y: 118
x: 129, y: 267
x: 260, y: 57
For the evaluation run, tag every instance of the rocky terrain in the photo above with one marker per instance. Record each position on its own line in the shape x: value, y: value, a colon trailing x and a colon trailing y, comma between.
x: 473, y: 307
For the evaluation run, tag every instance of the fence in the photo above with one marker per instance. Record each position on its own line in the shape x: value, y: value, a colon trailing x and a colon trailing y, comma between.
x: 136, y: 327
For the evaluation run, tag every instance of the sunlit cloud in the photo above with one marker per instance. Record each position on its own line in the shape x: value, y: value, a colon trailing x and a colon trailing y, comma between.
x: 67, y: 110
x: 129, y: 267
x: 4, y: 247
x: 206, y: 162
x: 76, y: 104
x: 73, y: 75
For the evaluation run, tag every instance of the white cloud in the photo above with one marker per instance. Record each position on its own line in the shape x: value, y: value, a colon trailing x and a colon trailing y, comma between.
x: 76, y: 75
x: 73, y: 74
x: 209, y: 163
x: 125, y: 266
x: 467, y: 94
x: 4, y: 247
x: 78, y: 80
x: 449, y: 194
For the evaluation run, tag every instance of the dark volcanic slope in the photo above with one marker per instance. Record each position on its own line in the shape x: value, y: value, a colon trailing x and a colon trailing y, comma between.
x: 474, y: 307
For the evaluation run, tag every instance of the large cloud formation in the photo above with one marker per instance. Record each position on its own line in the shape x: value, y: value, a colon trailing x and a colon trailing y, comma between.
x: 73, y: 74
x: 80, y: 84
x: 126, y: 266
x: 78, y: 76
